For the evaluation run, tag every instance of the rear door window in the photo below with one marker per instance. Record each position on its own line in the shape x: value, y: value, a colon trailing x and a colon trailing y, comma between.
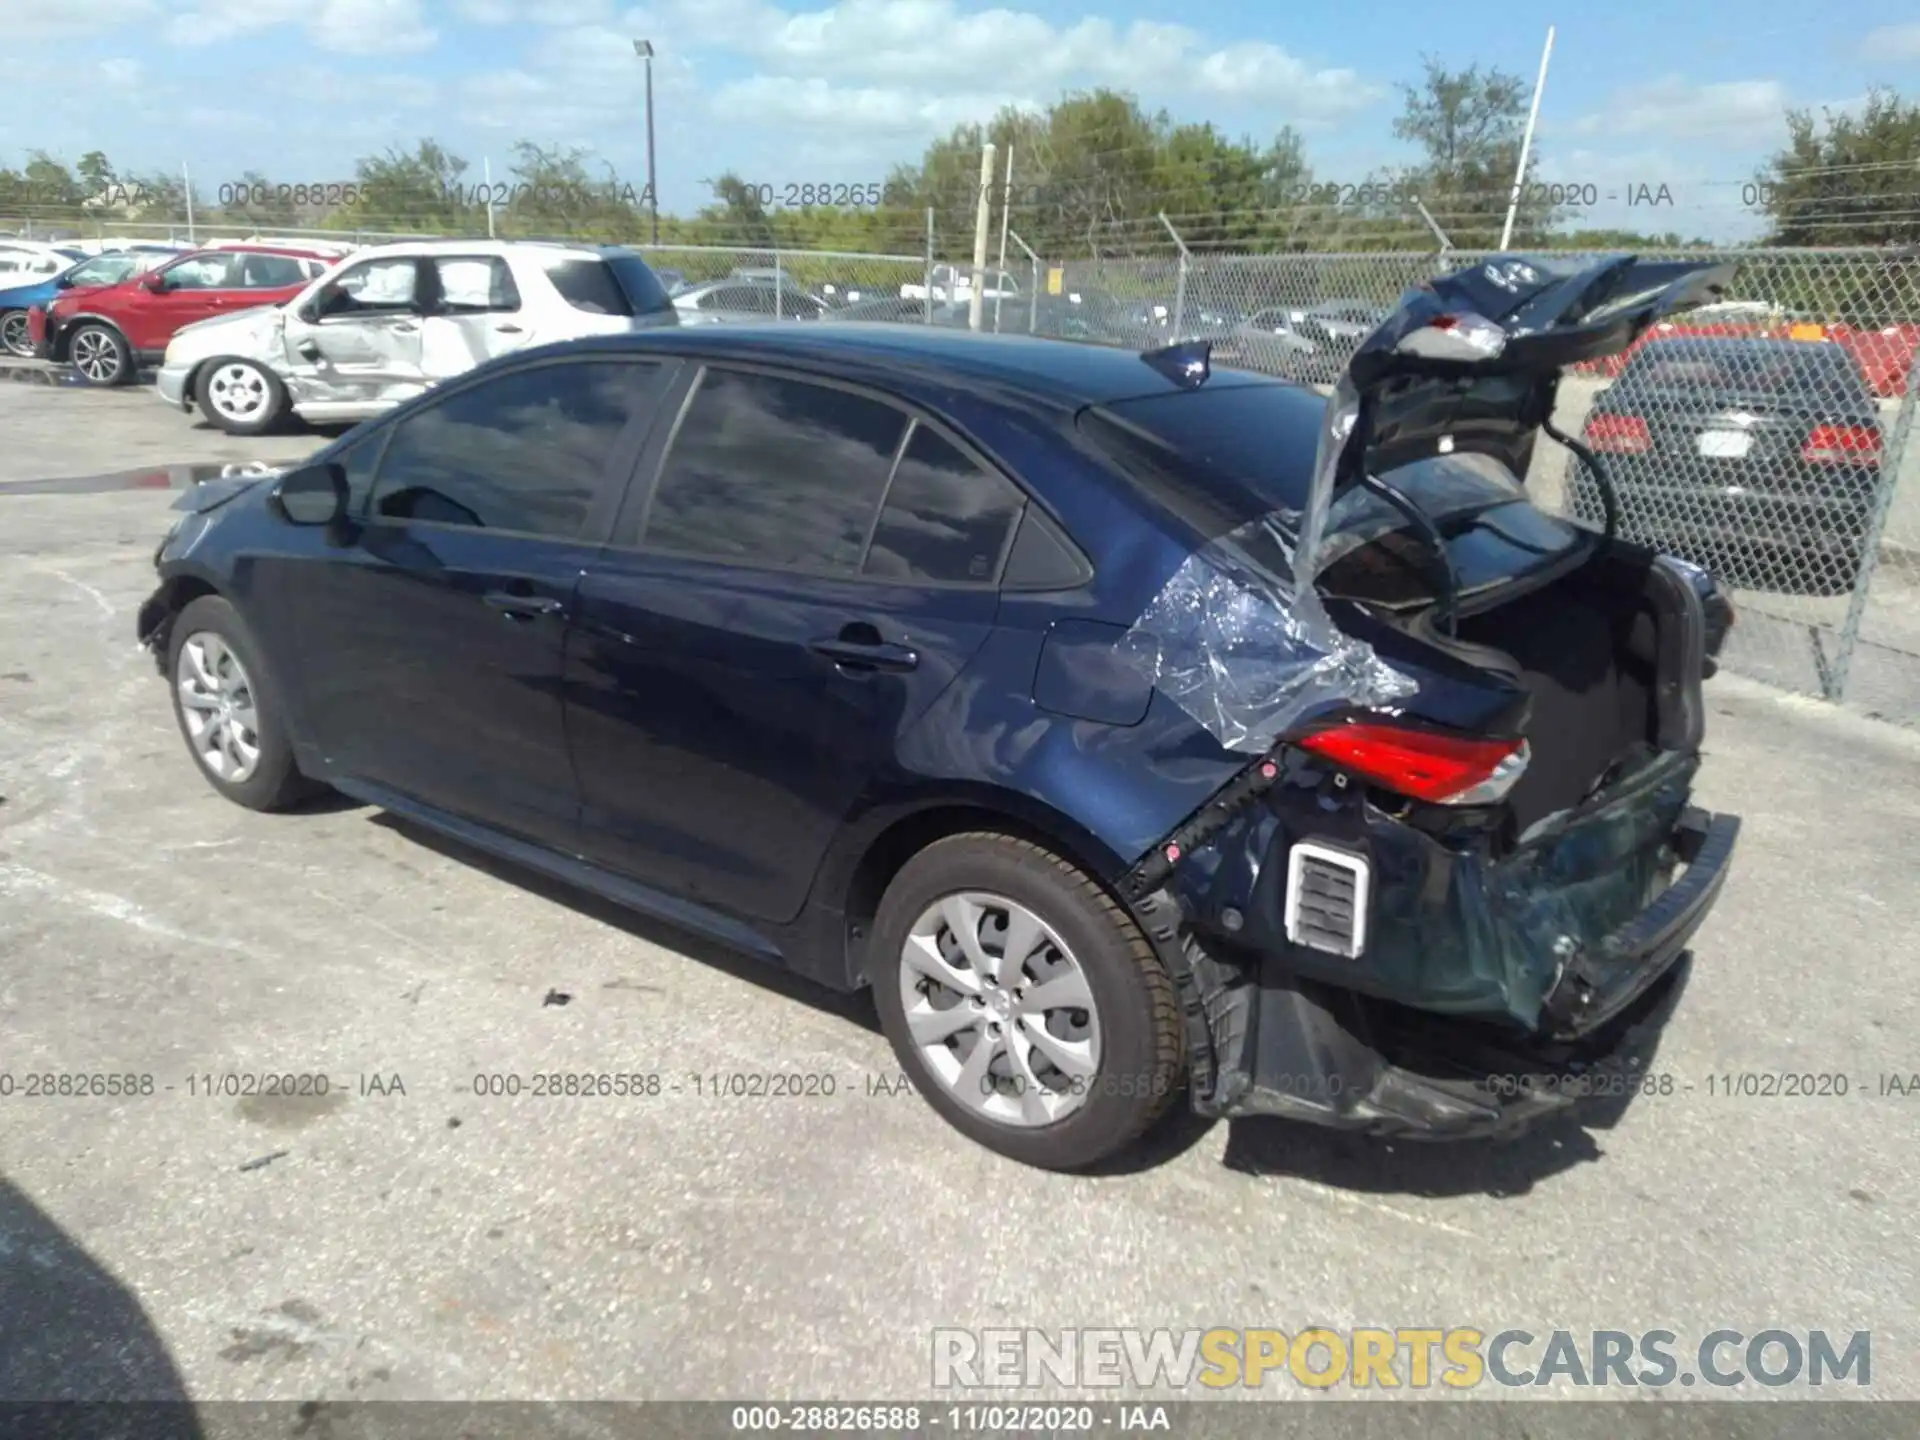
x: 770, y: 472
x: 946, y: 521
x: 476, y: 284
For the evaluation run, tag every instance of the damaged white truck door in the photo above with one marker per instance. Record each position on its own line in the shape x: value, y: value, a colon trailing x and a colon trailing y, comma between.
x: 355, y: 349
x: 477, y: 315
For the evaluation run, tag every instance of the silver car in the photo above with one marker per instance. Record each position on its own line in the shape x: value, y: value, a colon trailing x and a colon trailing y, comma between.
x: 746, y: 299
x: 392, y: 320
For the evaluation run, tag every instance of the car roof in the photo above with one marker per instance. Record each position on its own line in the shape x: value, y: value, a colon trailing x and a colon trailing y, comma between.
x: 243, y: 248
x: 1055, y: 372
x: 1756, y: 345
x: 492, y: 247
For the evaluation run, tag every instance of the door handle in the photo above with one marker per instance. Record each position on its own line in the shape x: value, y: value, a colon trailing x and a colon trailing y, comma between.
x: 405, y: 327
x: 523, y: 607
x: 867, y: 655
x: 509, y: 330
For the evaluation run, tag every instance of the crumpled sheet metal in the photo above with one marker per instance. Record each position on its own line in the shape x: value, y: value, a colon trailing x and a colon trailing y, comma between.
x: 1247, y: 651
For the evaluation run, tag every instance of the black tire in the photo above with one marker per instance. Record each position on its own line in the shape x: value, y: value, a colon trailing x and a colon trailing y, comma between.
x: 14, y: 336
x: 1142, y: 1062
x: 273, y: 407
x: 112, y: 347
x: 275, y: 782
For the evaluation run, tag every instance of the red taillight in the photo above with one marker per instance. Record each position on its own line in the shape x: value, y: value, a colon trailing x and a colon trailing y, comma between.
x: 1842, y: 445
x: 1441, y: 769
x: 1619, y: 434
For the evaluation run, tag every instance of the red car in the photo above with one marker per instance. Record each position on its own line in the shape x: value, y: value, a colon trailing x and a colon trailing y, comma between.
x: 107, y: 333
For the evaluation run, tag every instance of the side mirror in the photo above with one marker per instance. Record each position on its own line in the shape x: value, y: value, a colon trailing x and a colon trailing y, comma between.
x: 154, y: 280
x: 312, y: 495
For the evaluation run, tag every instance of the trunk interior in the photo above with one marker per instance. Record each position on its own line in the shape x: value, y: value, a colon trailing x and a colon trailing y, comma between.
x: 1587, y: 654
x: 1592, y: 651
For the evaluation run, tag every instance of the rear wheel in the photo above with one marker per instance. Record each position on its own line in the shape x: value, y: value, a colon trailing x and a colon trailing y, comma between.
x: 100, y: 355
x: 15, y: 338
x: 1025, y: 1004
x: 228, y: 711
x: 242, y: 397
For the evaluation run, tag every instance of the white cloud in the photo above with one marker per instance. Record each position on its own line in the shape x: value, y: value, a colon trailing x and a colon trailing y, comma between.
x: 1891, y: 43
x: 936, y: 46
x: 1747, y: 110
x: 786, y: 100
x: 66, y: 19
x: 345, y: 27
x: 574, y: 85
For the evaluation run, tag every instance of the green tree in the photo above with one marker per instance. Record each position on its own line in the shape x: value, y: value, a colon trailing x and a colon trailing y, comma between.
x: 1093, y: 173
x: 1469, y: 125
x: 1846, y: 179
x: 50, y: 185
x: 419, y: 191
x: 96, y: 172
x: 553, y: 193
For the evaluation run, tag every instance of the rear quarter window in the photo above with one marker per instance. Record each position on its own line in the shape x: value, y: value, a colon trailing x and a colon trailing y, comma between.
x: 611, y: 285
x: 1217, y: 457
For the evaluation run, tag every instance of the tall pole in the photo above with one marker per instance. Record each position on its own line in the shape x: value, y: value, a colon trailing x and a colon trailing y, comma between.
x: 926, y: 306
x: 486, y: 174
x: 1006, y: 212
x: 644, y: 49
x: 653, y: 181
x: 1526, y: 142
x: 981, y: 218
x: 186, y: 179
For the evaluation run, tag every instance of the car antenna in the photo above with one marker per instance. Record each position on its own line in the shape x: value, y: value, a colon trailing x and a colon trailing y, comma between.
x: 1187, y: 363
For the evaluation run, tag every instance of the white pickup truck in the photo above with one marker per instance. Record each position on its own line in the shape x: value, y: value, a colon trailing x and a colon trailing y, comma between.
x: 954, y: 283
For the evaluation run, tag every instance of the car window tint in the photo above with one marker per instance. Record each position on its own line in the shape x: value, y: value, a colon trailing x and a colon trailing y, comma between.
x: 376, y: 285
x: 204, y: 272
x: 773, y: 472
x: 946, y: 519
x: 590, y: 286
x: 270, y: 272
x: 476, y: 284
x: 522, y: 452
x: 107, y: 270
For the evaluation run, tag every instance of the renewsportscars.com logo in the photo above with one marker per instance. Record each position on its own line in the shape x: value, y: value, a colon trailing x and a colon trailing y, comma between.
x: 1457, y: 1358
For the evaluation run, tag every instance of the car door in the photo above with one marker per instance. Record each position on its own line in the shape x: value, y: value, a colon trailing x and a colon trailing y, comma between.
x: 473, y: 314
x: 776, y: 611
x: 196, y: 288
x: 427, y: 644
x: 356, y: 341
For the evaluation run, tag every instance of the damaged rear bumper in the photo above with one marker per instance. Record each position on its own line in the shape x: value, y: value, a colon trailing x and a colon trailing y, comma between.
x: 1492, y: 991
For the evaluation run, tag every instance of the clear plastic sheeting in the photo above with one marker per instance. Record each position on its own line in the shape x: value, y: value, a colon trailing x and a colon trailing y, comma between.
x: 1231, y: 642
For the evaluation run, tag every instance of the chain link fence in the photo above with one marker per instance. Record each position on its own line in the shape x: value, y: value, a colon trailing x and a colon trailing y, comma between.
x: 1769, y: 437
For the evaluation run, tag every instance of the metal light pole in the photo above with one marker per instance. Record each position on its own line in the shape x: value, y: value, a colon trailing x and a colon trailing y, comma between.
x: 1526, y: 143
x: 644, y: 49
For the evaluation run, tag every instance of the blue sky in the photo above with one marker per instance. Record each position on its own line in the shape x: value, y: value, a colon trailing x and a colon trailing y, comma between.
x: 802, y: 90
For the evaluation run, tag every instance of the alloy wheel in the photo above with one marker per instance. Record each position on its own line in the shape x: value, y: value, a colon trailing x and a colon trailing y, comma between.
x: 95, y: 356
x: 236, y: 392
x: 1000, y: 1010
x: 15, y: 335
x: 218, y: 708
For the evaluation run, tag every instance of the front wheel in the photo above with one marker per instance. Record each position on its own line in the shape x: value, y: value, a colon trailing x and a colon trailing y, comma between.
x: 242, y: 397
x: 1024, y: 1003
x: 100, y: 355
x: 228, y: 710
x: 15, y: 338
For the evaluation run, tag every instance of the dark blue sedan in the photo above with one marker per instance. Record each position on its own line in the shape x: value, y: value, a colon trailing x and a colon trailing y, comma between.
x: 1131, y: 728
